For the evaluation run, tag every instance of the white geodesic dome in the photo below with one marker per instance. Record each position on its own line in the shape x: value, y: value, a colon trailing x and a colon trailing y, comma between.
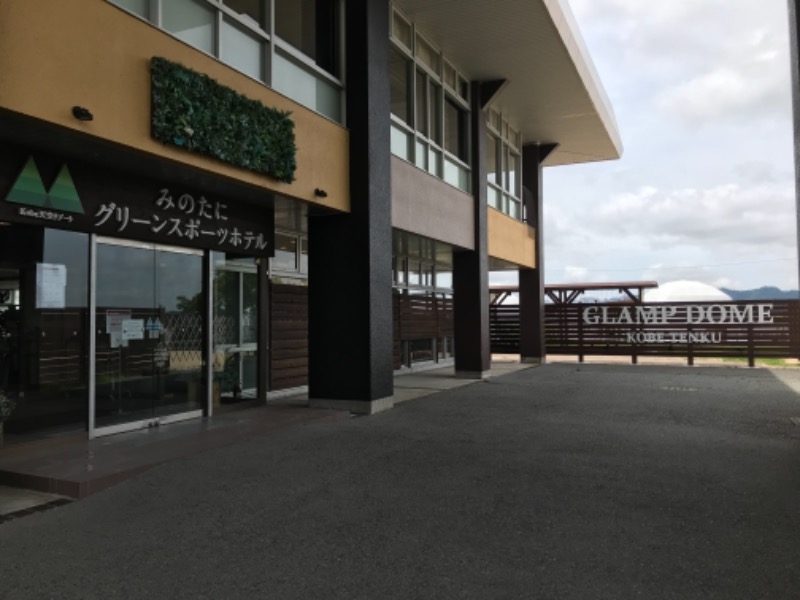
x: 685, y: 291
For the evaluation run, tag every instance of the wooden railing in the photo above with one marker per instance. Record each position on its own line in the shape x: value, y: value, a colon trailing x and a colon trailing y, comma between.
x: 747, y: 330
x: 418, y: 317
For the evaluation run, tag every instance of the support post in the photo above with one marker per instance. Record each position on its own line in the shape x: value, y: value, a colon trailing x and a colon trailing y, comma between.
x: 531, y: 281
x: 471, y: 267
x: 350, y: 255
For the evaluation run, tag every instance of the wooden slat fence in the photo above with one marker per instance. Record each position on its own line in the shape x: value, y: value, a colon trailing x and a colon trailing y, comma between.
x: 415, y: 317
x: 504, y: 328
x: 420, y: 317
x: 288, y: 333
x: 746, y: 330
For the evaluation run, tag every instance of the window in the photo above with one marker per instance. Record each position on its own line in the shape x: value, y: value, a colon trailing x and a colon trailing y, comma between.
x: 435, y: 111
x: 311, y: 26
x: 400, y: 271
x: 444, y: 276
x: 421, y: 262
x: 399, y: 76
x: 455, y: 130
x: 427, y: 56
x: 191, y: 22
x: 422, y: 104
x: 303, y: 255
x: 503, y: 166
x: 290, y: 262
x: 285, y: 258
x: 402, y: 31
x: 449, y: 76
x: 492, y: 173
x: 430, y: 107
x: 423, y: 281
x: 251, y: 11
x: 305, y: 86
x: 241, y: 50
x: 302, y: 60
x: 512, y: 174
x: 137, y: 7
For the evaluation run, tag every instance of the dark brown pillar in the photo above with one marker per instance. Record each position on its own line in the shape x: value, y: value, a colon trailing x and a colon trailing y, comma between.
x: 350, y: 255
x: 471, y: 267
x: 531, y: 281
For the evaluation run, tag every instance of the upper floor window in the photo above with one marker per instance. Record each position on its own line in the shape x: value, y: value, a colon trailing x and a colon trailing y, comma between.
x: 430, y: 106
x: 294, y: 46
x: 503, y: 165
x: 249, y: 10
x: 311, y: 26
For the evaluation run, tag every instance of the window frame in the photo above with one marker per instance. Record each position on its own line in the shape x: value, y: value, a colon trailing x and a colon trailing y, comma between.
x: 272, y: 45
x: 426, y: 148
x: 501, y: 196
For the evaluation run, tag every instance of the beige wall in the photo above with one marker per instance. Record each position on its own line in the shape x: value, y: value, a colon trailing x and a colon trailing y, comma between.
x: 511, y: 240
x: 427, y: 206
x: 55, y: 54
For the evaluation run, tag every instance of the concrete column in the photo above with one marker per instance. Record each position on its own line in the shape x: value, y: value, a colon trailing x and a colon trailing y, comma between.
x: 531, y: 281
x: 471, y: 267
x: 350, y: 271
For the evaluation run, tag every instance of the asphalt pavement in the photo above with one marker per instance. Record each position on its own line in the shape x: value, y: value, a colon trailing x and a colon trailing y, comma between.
x: 561, y: 481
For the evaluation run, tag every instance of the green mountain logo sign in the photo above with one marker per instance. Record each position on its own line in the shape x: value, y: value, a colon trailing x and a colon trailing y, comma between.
x: 29, y: 189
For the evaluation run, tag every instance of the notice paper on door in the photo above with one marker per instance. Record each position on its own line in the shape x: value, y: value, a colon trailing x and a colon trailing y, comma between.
x: 51, y: 285
x: 133, y: 329
x: 114, y: 319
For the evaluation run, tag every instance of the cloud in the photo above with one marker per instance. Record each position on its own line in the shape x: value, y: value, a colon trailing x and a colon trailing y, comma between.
x: 707, y: 275
x: 757, y: 171
x: 751, y: 220
x: 504, y: 278
x: 750, y: 86
x: 703, y: 60
x: 729, y: 235
x: 705, y: 189
x: 576, y: 274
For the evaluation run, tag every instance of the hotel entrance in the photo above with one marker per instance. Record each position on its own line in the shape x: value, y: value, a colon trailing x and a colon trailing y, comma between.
x: 110, y: 335
x: 127, y: 302
x: 149, y: 331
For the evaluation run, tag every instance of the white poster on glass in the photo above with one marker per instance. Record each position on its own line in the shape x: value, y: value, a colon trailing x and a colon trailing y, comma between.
x: 51, y: 285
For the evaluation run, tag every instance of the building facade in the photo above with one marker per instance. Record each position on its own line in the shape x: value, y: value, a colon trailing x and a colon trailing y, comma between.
x: 204, y: 201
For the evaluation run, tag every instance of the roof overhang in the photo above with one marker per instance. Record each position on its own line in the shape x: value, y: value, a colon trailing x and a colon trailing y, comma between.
x: 553, y: 93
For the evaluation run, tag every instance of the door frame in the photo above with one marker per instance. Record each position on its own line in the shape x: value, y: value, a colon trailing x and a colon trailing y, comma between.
x: 240, y: 347
x: 206, y: 375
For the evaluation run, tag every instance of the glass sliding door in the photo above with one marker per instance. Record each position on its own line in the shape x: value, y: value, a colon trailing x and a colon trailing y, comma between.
x: 235, y: 339
x: 148, y: 335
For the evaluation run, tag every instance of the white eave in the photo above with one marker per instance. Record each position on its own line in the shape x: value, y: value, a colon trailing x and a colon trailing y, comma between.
x: 553, y: 93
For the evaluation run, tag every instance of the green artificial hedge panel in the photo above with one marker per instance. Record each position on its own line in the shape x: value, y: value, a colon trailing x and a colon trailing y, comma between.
x: 194, y: 112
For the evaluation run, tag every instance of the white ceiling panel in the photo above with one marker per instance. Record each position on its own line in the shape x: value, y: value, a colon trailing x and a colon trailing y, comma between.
x: 553, y: 93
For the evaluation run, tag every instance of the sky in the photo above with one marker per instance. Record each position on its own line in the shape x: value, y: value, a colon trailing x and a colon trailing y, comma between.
x: 705, y: 187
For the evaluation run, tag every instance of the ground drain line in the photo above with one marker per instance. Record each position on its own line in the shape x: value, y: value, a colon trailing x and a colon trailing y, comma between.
x: 35, y: 509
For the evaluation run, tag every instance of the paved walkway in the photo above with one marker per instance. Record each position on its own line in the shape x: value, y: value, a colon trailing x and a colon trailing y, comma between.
x: 562, y: 481
x: 70, y: 466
